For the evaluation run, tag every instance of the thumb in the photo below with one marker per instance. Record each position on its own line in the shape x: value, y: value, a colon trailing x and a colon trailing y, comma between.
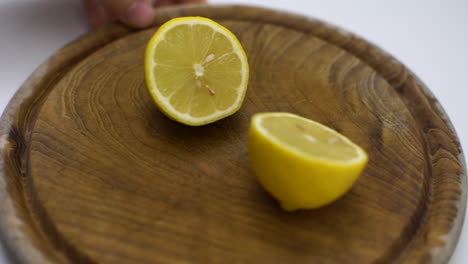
x: 135, y: 13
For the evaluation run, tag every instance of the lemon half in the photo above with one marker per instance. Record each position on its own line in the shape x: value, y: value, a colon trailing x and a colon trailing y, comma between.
x: 196, y: 70
x: 300, y: 162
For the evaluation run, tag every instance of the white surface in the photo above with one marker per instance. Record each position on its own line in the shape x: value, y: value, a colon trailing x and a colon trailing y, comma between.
x: 430, y: 37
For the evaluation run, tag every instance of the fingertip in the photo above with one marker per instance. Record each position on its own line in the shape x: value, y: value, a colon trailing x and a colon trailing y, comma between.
x: 97, y: 15
x: 162, y: 3
x: 99, y: 19
x: 191, y: 1
x: 140, y: 14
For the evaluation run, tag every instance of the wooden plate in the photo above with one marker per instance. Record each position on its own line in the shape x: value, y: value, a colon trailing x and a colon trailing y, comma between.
x: 92, y: 172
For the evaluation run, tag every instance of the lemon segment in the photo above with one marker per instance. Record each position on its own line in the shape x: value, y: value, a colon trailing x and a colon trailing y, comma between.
x: 300, y: 162
x: 196, y: 70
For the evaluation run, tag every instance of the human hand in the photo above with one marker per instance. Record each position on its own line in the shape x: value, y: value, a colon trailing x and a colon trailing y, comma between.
x: 135, y: 13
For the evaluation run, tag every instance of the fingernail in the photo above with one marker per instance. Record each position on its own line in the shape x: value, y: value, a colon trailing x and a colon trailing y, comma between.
x: 140, y: 14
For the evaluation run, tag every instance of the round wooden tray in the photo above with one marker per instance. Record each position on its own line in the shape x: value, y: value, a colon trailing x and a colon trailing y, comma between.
x: 92, y: 172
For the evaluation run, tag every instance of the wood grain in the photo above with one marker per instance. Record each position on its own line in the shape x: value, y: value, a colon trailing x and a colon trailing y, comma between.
x: 92, y: 172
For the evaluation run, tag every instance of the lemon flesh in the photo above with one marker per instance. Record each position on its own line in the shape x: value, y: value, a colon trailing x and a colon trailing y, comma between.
x: 300, y: 162
x: 196, y: 70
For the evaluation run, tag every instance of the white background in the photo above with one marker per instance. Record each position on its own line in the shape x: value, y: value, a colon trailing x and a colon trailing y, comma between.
x: 430, y: 37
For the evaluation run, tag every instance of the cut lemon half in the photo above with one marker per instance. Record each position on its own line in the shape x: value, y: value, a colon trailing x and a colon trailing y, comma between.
x: 196, y: 70
x: 300, y: 162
